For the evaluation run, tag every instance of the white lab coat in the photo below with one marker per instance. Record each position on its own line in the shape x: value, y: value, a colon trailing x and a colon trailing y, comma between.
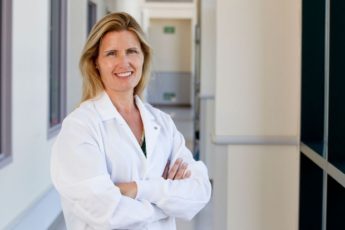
x: 96, y: 149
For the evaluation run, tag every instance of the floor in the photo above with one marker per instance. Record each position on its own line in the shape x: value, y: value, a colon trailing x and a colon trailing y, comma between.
x: 183, y: 118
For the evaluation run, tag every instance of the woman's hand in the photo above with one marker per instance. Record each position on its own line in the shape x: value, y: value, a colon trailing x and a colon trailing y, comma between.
x: 128, y: 189
x: 177, y: 172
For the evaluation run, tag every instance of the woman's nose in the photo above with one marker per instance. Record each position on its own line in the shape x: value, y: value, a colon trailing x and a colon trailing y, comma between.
x: 122, y: 59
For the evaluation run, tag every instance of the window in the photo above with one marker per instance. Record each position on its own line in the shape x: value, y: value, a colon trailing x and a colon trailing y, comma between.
x: 5, y: 81
x: 322, y: 172
x: 57, y: 81
x: 91, y: 15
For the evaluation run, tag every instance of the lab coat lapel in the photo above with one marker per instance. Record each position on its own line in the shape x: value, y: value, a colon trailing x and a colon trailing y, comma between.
x: 151, y: 127
x: 107, y: 111
x: 152, y: 131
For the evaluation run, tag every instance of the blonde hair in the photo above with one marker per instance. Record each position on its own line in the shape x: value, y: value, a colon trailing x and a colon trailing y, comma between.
x: 92, y: 83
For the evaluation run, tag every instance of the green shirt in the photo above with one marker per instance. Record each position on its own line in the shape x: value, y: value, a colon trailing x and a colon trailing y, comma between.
x: 143, y: 146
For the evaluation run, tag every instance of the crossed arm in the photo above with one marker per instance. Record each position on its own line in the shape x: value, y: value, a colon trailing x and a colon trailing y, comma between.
x: 178, y: 171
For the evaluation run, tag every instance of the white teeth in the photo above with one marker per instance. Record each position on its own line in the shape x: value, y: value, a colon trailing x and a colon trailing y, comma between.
x: 124, y: 74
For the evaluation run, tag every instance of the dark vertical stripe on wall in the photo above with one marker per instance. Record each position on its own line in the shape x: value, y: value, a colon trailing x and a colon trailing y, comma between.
x: 313, y: 73
x: 310, y: 195
x: 336, y: 148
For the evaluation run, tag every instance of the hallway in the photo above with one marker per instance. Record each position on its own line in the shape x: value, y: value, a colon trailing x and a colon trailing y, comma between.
x: 265, y: 78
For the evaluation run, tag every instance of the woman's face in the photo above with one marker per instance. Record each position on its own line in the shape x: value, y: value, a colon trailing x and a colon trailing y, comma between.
x: 120, y: 61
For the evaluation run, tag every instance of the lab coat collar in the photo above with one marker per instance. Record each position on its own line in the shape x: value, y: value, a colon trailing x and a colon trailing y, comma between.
x: 144, y: 112
x: 151, y: 127
x: 108, y: 111
x: 105, y: 107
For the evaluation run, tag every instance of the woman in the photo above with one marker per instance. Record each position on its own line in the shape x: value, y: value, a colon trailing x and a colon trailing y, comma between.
x: 119, y: 163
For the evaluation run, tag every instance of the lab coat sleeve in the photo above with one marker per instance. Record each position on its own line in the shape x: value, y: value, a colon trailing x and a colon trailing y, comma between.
x: 79, y: 173
x: 178, y: 198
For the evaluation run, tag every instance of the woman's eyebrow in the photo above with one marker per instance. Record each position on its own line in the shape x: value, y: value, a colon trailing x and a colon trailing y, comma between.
x: 110, y: 50
x: 115, y: 50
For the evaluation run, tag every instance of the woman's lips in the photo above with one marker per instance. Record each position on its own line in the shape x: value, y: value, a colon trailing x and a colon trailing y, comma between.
x: 124, y: 74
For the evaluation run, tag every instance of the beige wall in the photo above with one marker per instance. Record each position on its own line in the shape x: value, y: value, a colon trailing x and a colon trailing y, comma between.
x: 262, y: 187
x: 255, y: 114
x: 172, y: 52
x: 258, y: 67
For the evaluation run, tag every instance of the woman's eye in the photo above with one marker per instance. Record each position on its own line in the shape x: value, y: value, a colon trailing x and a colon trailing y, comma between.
x: 132, y: 51
x: 110, y: 53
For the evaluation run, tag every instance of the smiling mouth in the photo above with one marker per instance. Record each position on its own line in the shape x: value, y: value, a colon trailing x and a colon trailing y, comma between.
x: 124, y: 74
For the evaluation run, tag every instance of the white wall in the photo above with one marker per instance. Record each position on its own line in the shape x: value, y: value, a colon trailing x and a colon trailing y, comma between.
x: 77, y: 33
x: 27, y: 177
x: 215, y: 156
x: 26, y: 196
x: 208, y: 48
x: 101, y: 8
x: 255, y: 114
x: 130, y: 6
x: 207, y: 79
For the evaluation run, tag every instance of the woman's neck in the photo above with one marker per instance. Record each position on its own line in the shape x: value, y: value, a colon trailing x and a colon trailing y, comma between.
x: 124, y: 102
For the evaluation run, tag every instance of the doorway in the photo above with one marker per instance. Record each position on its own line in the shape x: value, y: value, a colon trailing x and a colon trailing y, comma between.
x: 171, y: 85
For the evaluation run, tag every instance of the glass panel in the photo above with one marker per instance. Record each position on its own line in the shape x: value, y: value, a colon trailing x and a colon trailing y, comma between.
x: 335, y: 205
x: 55, y: 65
x: 336, y: 143
x: 5, y: 80
x: 313, y: 73
x: 310, y: 195
x: 1, y: 96
x: 92, y: 15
